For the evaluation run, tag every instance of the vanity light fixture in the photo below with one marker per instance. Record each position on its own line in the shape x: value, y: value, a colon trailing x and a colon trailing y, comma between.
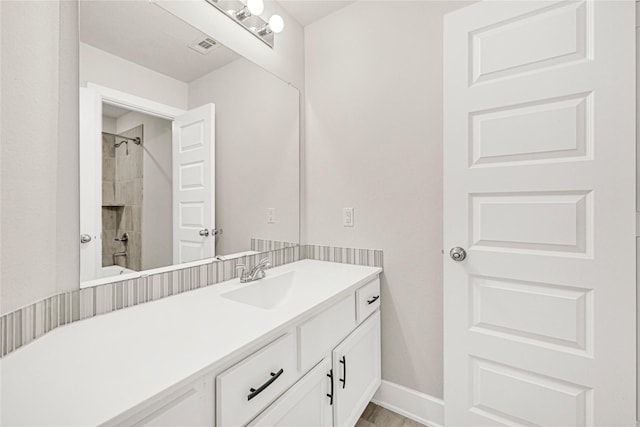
x: 263, y: 31
x: 243, y: 14
x: 276, y: 23
x: 256, y: 7
x: 248, y: 16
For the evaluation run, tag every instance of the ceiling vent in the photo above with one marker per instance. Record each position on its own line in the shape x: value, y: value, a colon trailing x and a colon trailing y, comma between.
x: 205, y: 46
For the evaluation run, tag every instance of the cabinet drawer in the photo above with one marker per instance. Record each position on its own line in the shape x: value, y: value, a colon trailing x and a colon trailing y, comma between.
x: 246, y: 388
x: 368, y: 299
x: 323, y: 332
x: 307, y: 404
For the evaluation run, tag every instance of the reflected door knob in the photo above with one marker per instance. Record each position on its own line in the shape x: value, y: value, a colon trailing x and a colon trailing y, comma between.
x: 457, y: 253
x: 204, y: 232
x: 85, y: 238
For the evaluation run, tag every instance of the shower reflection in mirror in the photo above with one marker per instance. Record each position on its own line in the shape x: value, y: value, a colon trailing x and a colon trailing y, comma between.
x: 129, y: 159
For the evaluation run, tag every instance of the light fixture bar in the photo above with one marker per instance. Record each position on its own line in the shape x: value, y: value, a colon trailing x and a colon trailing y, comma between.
x: 239, y: 12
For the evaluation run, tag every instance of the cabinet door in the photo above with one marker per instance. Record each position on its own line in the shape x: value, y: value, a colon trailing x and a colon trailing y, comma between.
x: 306, y: 404
x: 356, y: 366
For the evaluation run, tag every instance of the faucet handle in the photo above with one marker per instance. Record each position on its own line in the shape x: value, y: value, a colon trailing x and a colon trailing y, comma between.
x: 264, y: 263
x: 244, y: 273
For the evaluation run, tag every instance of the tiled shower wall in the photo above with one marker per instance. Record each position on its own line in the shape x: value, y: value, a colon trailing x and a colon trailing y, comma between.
x: 22, y: 326
x: 110, y: 209
x: 122, y: 186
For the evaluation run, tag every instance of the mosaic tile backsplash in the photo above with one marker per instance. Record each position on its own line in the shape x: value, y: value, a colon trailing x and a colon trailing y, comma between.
x: 369, y: 257
x: 24, y: 325
x: 260, y: 245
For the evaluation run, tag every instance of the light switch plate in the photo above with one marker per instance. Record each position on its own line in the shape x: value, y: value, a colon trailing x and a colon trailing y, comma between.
x: 347, y: 217
x: 271, y: 215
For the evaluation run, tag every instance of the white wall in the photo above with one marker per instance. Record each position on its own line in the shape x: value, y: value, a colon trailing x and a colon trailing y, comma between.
x: 157, y: 211
x: 374, y: 143
x: 105, y: 69
x: 39, y: 152
x: 257, y: 153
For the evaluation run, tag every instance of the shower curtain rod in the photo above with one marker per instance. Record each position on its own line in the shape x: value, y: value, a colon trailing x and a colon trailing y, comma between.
x: 136, y: 139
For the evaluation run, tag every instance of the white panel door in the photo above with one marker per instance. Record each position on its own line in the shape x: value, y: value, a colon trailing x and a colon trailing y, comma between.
x: 193, y: 185
x: 356, y: 372
x: 539, y: 188
x: 90, y: 156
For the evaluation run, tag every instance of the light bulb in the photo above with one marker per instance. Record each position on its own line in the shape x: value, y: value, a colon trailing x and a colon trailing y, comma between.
x: 255, y: 6
x: 276, y: 23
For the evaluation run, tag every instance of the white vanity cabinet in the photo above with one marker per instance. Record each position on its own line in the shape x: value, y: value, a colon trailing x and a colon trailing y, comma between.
x: 356, y: 371
x: 337, y: 390
x: 312, y: 359
x: 319, y: 372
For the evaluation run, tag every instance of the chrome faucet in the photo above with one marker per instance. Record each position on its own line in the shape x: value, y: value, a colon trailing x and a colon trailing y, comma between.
x: 117, y: 255
x: 124, y: 238
x: 255, y: 273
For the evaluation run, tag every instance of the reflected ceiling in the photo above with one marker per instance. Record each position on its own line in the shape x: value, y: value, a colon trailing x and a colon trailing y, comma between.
x: 147, y: 35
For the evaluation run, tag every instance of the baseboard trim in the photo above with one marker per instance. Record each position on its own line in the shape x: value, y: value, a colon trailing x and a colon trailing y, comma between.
x: 412, y: 404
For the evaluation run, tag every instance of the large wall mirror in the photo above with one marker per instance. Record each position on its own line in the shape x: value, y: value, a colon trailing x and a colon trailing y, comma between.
x: 187, y: 150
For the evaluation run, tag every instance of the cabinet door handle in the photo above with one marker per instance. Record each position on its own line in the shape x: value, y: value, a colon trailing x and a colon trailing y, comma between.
x: 372, y: 300
x: 255, y: 392
x: 343, y: 380
x: 330, y: 395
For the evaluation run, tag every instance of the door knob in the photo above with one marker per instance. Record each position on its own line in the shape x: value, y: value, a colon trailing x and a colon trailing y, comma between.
x: 457, y: 253
x: 204, y: 232
x: 85, y: 238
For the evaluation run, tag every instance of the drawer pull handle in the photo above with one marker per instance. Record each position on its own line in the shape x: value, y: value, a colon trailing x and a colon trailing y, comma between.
x: 372, y: 300
x: 343, y: 380
x: 330, y: 395
x: 255, y: 392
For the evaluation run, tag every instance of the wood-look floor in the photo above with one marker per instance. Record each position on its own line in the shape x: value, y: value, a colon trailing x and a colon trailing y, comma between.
x: 376, y: 416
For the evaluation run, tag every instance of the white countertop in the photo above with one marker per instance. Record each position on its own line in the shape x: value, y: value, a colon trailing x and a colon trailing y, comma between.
x: 88, y: 372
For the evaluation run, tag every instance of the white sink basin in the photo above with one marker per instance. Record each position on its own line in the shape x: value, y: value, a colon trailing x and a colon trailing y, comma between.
x: 269, y: 292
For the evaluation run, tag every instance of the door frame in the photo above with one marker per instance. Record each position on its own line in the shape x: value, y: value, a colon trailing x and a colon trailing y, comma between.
x: 93, y: 125
x: 135, y: 103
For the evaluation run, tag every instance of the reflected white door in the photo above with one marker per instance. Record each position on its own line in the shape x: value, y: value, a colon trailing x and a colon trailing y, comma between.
x: 539, y: 188
x: 90, y: 157
x: 193, y: 185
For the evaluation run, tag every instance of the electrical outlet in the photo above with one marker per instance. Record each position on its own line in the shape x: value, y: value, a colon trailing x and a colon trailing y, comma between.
x: 271, y: 215
x: 347, y: 217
